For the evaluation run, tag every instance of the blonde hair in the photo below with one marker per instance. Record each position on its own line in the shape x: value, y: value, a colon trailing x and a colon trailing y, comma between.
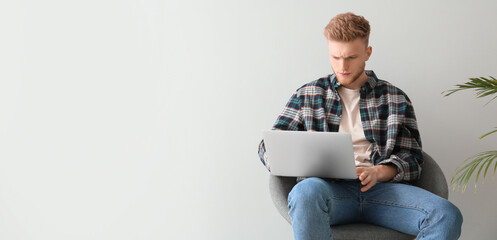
x: 347, y: 27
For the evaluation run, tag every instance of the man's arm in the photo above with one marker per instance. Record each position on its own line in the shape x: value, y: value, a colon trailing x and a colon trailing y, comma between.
x: 290, y: 119
x: 407, y: 155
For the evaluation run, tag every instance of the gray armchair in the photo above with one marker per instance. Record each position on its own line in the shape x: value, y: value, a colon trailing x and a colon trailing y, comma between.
x: 432, y: 179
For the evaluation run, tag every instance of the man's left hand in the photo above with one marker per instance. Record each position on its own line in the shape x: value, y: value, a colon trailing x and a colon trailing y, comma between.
x: 379, y: 173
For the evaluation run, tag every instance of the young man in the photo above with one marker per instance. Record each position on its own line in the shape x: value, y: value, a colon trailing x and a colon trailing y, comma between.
x: 386, y: 143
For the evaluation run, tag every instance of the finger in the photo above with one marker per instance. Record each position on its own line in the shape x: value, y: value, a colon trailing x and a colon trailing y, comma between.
x: 366, y: 179
x: 369, y: 186
x: 364, y: 174
x: 359, y: 171
x: 361, y: 176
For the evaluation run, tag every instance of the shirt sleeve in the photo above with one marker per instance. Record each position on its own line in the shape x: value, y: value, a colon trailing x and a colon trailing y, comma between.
x: 289, y: 120
x: 407, y: 154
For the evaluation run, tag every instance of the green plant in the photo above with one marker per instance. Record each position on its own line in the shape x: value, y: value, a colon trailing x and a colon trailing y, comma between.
x: 481, y: 162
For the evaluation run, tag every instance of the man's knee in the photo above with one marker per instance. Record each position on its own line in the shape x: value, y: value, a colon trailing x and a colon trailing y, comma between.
x: 448, y: 217
x: 452, y: 215
x: 308, y: 190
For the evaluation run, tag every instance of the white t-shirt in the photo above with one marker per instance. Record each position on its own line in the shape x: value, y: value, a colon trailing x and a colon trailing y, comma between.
x: 351, y: 123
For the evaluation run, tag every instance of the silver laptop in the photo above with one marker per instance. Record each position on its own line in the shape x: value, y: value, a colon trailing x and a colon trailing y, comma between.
x: 310, y: 154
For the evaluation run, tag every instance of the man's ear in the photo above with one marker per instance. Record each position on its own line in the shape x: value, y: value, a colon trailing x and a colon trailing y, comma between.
x: 369, y: 50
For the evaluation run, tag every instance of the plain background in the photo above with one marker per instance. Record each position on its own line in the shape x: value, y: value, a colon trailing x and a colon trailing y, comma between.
x: 141, y: 119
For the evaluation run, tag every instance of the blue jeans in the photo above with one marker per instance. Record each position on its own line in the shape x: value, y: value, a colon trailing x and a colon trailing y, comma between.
x: 316, y: 204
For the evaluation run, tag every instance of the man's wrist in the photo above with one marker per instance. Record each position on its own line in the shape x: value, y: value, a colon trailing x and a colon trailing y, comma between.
x: 386, y: 172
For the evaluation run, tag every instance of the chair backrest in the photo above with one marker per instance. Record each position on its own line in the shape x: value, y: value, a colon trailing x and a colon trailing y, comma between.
x: 432, y: 179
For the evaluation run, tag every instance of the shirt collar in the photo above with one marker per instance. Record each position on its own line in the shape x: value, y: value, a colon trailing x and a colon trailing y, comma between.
x: 368, y: 86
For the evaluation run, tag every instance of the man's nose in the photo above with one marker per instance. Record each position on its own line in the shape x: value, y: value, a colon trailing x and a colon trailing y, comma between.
x: 344, y: 65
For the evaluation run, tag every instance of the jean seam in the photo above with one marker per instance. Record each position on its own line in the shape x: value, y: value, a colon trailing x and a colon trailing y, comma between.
x: 427, y: 221
x: 328, y: 213
x: 361, y: 207
x: 339, y: 198
x: 397, y: 205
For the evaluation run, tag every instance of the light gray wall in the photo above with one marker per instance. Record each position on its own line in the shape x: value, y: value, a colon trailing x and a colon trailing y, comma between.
x: 141, y: 119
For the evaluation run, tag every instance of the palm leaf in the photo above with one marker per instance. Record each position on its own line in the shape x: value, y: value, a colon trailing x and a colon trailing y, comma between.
x: 463, y: 173
x: 486, y: 134
x: 483, y: 87
x: 480, y: 162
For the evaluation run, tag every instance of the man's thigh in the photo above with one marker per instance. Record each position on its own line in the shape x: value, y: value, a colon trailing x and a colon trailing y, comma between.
x: 399, y: 206
x: 341, y: 198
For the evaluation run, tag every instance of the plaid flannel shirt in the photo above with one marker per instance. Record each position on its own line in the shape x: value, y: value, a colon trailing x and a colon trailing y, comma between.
x: 387, y: 117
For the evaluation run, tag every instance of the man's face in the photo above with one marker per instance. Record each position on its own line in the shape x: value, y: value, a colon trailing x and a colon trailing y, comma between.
x: 348, y: 60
